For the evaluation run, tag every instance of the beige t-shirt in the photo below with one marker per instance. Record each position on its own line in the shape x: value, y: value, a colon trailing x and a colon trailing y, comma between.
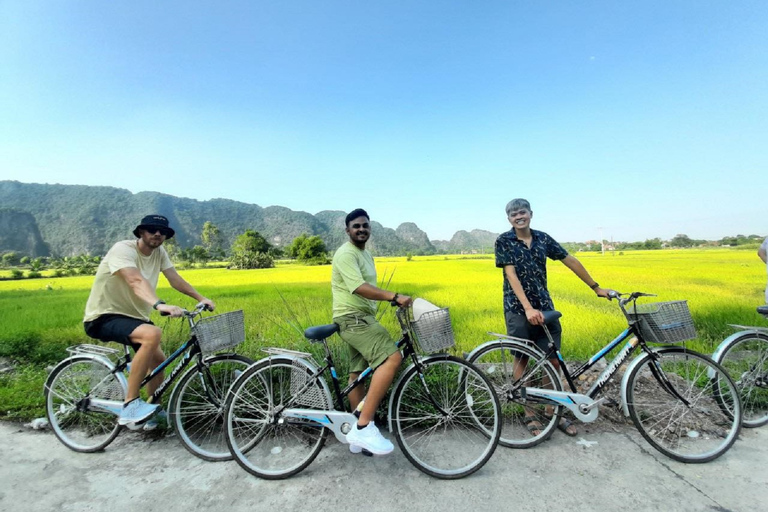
x: 351, y: 268
x: 112, y: 294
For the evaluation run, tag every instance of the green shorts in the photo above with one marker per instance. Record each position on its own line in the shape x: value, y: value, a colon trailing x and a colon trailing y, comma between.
x: 369, y: 342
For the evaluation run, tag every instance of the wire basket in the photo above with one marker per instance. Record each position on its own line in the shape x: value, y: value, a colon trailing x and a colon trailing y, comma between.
x: 432, y: 331
x: 220, y: 332
x: 664, y: 322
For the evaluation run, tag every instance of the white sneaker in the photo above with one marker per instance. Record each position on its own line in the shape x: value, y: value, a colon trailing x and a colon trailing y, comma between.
x: 137, y: 411
x: 370, y: 439
x: 353, y: 448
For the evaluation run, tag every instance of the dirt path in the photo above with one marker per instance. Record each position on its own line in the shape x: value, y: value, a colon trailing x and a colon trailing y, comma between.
x: 597, y: 470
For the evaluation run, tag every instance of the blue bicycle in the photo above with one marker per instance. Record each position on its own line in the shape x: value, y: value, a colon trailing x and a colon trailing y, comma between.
x: 683, y: 403
x: 85, y: 392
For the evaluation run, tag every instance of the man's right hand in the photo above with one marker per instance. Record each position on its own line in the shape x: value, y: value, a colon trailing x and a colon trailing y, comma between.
x: 534, y: 316
x: 170, y: 310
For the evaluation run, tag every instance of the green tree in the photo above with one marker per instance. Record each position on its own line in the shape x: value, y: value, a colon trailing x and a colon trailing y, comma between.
x: 681, y: 241
x: 173, y: 249
x: 308, y: 249
x: 10, y: 259
x: 251, y: 250
x: 653, y: 243
x: 212, y: 241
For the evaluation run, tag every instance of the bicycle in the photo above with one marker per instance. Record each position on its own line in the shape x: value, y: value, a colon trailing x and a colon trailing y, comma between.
x: 744, y: 355
x: 85, y: 392
x: 683, y: 403
x: 443, y: 412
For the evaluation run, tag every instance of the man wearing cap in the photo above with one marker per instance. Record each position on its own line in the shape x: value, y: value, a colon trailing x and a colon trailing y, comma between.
x: 121, y: 300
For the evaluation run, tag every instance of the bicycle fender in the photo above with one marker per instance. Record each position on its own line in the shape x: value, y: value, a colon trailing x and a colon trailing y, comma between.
x: 424, y: 359
x: 725, y: 344
x: 625, y: 379
x: 119, y: 375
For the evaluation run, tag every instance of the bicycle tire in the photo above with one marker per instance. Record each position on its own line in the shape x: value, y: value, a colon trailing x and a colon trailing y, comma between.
x: 264, y: 443
x: 199, y: 422
x: 457, y: 445
x: 698, y: 432
x: 746, y: 361
x: 67, y: 390
x: 497, y: 362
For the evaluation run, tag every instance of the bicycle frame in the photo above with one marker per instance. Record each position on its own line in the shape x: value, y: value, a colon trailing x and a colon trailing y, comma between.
x: 585, y: 405
x: 340, y: 420
x: 189, y: 350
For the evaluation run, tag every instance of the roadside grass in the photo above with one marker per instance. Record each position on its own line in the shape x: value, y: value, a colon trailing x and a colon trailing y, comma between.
x: 39, y: 318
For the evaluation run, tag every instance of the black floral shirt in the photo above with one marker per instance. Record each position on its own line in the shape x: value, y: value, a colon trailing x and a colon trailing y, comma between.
x: 530, y: 267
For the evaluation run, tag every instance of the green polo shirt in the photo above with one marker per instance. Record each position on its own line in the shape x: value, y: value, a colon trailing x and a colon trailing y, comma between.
x: 351, y: 268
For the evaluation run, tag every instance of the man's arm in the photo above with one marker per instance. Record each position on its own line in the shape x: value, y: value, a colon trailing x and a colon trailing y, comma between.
x: 577, y: 268
x: 763, y: 254
x: 180, y: 284
x: 144, y: 291
x: 371, y: 292
x: 534, y: 316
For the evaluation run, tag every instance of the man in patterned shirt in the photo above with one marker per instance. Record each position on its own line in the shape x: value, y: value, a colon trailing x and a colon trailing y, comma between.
x: 522, y: 253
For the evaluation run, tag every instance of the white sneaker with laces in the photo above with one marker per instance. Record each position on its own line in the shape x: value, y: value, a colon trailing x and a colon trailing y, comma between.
x: 137, y: 411
x: 370, y: 439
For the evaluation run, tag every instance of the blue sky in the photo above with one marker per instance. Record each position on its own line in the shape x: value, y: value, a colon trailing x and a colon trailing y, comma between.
x: 646, y: 118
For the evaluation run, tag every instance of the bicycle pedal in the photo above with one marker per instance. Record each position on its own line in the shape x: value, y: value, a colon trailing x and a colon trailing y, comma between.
x: 366, y: 453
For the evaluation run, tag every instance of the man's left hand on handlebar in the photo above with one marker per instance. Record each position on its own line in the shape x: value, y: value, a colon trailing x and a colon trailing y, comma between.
x: 605, y: 293
x: 401, y: 301
x: 210, y: 305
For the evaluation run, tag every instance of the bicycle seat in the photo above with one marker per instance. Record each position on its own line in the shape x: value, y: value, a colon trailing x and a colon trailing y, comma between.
x: 320, y: 332
x: 551, y: 316
x: 763, y: 310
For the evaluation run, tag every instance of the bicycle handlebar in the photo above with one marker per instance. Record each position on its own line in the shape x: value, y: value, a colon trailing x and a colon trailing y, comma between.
x: 199, y: 308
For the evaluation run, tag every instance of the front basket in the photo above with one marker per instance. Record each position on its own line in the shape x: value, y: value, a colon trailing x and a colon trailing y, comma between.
x: 220, y: 332
x: 664, y: 322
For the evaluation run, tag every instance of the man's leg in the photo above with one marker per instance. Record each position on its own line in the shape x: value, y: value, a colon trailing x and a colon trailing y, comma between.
x: 380, y: 382
x: 147, y: 358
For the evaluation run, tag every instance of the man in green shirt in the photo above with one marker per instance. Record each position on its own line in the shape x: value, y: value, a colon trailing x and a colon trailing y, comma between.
x: 353, y: 285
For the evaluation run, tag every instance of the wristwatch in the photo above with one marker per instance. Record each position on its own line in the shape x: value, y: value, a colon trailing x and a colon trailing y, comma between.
x: 154, y: 306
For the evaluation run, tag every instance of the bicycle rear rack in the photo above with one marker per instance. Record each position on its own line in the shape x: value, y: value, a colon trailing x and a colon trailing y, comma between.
x: 98, y: 350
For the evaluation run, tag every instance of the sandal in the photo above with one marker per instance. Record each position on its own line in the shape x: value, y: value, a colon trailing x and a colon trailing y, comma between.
x: 564, y: 425
x: 533, y: 425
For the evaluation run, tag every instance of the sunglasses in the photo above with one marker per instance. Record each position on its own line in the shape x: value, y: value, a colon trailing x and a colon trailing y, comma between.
x: 164, y: 232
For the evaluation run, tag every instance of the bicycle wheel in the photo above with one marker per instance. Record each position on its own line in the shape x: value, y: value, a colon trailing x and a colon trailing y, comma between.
x: 68, y: 390
x: 519, y: 417
x: 699, y: 431
x: 452, y: 429
x: 746, y: 361
x: 197, y: 405
x: 262, y: 441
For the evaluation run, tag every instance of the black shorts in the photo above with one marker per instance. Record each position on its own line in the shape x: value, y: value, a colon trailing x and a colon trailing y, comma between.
x: 519, y: 327
x: 112, y: 327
